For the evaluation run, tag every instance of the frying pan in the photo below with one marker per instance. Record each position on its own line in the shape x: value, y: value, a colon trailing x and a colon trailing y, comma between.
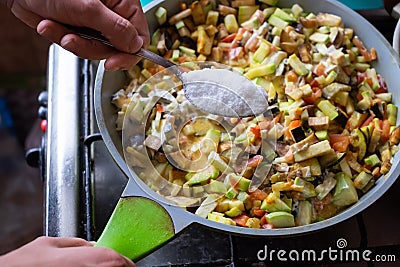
x: 174, y: 218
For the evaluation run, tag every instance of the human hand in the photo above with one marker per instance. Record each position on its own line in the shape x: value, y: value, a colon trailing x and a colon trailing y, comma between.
x: 63, y: 252
x: 121, y: 21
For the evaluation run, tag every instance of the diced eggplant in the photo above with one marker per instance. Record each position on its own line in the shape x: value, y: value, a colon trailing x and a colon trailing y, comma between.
x: 327, y: 185
x: 180, y: 16
x: 331, y: 158
x: 298, y: 134
x: 342, y: 118
x: 362, y: 180
x: 313, y: 151
x: 319, y: 123
x: 332, y: 89
x: 375, y: 137
x: 274, y: 110
x: 357, y: 140
x: 304, y: 214
x: 378, y: 108
x: 153, y: 142
x: 308, y: 189
x: 197, y: 13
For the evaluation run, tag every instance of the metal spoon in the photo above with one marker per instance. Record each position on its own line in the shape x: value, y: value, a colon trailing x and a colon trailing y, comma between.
x: 232, y: 102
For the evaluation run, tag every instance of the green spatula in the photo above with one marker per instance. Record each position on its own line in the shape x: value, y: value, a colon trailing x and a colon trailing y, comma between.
x: 137, y: 226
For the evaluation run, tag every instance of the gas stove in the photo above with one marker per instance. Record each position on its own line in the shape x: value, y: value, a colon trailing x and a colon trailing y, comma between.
x: 83, y: 184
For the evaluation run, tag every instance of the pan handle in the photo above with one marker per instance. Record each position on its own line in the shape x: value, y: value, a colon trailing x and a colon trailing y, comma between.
x: 139, y: 224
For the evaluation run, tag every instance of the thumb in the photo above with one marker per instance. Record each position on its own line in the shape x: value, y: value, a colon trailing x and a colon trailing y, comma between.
x: 119, y: 31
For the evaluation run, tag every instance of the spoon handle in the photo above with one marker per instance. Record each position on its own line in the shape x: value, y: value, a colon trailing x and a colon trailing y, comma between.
x: 92, y: 34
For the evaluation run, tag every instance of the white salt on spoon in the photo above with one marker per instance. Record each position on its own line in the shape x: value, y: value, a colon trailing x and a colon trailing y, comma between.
x: 224, y: 92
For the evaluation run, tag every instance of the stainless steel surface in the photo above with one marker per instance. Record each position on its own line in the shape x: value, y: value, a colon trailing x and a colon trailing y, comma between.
x: 108, y: 184
x: 388, y: 65
x: 61, y: 177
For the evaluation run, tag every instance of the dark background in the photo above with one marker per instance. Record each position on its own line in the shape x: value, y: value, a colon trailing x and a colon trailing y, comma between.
x: 23, y: 61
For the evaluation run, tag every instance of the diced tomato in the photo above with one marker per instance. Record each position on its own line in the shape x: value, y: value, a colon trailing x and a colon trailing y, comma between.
x: 361, y: 77
x: 293, y: 124
x: 258, y: 195
x: 229, y: 38
x: 368, y: 120
x: 339, y: 142
x: 254, y: 161
x: 241, y: 219
x: 314, y: 96
x: 385, y: 130
x: 382, y: 85
x: 314, y: 83
x: 263, y: 220
x: 259, y: 212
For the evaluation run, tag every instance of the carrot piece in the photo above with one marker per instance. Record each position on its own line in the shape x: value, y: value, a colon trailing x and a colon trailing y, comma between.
x: 291, y: 76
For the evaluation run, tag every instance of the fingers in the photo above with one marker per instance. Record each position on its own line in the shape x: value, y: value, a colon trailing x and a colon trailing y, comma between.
x: 63, y: 242
x: 134, y: 14
x: 29, y: 18
x: 99, y: 257
x: 121, y: 33
x: 81, y: 47
x: 120, y: 61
